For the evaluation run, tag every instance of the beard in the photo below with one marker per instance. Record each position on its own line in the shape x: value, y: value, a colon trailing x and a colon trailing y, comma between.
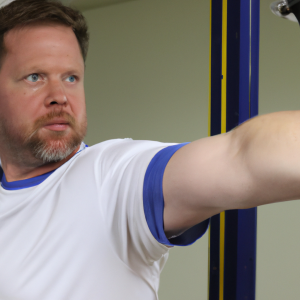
x: 35, y: 147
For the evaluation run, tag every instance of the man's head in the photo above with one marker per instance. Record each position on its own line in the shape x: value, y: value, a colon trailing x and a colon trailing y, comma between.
x: 43, y: 46
x: 20, y: 13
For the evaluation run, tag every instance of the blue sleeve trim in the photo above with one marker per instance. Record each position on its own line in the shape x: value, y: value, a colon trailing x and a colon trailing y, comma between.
x: 154, y: 202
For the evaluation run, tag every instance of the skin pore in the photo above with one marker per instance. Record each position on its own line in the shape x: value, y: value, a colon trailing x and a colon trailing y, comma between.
x: 42, y: 101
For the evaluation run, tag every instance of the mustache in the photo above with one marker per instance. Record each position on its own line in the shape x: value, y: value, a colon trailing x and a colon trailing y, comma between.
x: 42, y: 121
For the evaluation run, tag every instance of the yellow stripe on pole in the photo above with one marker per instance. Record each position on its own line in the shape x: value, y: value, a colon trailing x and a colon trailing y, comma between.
x: 223, y: 130
x: 209, y: 134
x: 208, y: 271
x: 222, y: 254
x: 209, y: 101
x: 224, y: 67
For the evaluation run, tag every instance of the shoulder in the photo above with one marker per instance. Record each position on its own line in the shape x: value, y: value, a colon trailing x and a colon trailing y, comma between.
x: 118, y: 149
x: 118, y: 156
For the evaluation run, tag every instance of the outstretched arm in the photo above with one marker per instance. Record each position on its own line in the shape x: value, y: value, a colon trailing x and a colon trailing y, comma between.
x: 257, y: 163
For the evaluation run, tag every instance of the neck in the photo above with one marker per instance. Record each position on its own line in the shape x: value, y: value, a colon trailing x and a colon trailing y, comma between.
x: 15, y: 172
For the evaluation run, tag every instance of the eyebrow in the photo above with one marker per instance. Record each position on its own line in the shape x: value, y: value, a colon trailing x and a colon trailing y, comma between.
x: 38, y: 70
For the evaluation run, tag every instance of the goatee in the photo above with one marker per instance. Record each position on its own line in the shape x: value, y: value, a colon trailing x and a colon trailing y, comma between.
x: 43, y: 147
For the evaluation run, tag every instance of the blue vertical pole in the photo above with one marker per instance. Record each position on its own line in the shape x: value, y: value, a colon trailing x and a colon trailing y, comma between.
x: 249, y: 70
x: 255, y: 26
x: 215, y: 128
x: 244, y: 89
x: 241, y: 104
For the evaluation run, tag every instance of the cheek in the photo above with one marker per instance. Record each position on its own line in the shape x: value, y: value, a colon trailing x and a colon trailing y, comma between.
x: 82, y: 118
x: 18, y: 111
x: 79, y: 107
x: 11, y: 110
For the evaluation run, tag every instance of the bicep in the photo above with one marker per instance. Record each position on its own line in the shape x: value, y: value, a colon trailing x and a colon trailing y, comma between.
x: 202, y: 179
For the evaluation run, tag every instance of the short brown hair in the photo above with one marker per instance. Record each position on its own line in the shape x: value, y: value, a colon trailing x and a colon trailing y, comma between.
x: 20, y: 13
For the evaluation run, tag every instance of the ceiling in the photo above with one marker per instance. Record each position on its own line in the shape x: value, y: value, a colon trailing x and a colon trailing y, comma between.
x: 89, y: 4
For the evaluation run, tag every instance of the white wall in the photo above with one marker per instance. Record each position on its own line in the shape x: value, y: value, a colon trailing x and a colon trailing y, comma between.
x: 278, y: 270
x: 147, y: 78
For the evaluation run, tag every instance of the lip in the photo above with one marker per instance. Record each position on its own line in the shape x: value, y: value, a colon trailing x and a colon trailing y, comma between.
x: 57, y: 125
x: 57, y: 121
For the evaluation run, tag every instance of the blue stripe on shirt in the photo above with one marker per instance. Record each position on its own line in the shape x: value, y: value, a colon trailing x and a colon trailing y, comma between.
x: 154, y: 201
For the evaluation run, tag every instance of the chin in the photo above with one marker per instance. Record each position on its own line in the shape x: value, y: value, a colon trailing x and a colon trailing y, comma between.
x: 54, y: 146
x: 53, y: 150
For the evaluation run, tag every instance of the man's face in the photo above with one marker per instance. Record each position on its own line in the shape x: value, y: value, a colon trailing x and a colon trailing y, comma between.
x: 42, y: 102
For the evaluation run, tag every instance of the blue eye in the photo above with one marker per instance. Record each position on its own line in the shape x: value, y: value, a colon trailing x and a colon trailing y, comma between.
x: 71, y: 79
x: 33, y: 77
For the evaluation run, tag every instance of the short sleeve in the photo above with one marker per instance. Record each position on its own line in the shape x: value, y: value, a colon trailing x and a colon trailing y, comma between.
x: 120, y: 167
x: 154, y: 202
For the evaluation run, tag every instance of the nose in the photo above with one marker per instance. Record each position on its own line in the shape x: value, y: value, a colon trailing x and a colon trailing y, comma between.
x: 56, y: 94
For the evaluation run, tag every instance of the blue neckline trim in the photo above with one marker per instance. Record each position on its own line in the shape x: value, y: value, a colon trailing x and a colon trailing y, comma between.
x: 26, y: 183
x: 86, y: 146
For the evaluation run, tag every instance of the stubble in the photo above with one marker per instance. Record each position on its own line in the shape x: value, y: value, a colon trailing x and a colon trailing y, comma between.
x: 34, y: 147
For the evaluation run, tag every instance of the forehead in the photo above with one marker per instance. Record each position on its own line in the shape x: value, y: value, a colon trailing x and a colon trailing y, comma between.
x: 47, y: 44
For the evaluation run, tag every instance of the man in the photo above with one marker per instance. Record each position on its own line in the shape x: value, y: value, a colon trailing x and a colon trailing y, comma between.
x: 96, y: 223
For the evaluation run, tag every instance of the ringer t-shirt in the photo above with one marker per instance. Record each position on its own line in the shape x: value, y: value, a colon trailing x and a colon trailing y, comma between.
x: 92, y: 229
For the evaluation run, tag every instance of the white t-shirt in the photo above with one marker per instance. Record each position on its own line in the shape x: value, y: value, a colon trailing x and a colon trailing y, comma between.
x: 82, y: 233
